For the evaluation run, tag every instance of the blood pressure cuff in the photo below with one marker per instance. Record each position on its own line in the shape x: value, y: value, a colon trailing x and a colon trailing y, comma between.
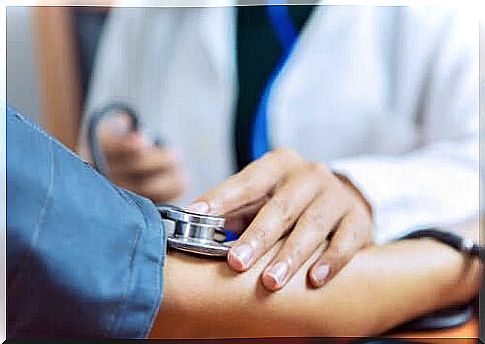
x: 84, y: 257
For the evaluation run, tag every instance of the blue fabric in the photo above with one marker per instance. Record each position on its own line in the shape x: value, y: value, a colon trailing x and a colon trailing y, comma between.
x: 287, y: 34
x: 279, y: 16
x: 84, y: 257
x: 230, y: 235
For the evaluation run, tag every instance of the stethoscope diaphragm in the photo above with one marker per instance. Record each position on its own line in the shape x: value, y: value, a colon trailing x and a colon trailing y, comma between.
x: 195, y: 233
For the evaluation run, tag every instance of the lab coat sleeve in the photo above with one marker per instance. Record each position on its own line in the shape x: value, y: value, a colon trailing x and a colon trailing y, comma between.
x: 84, y: 257
x: 438, y: 182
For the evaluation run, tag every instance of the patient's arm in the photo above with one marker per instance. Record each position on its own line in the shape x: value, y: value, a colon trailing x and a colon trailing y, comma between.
x: 381, y: 288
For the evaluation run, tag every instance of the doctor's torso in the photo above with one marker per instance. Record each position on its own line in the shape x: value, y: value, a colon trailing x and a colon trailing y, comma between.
x: 351, y: 85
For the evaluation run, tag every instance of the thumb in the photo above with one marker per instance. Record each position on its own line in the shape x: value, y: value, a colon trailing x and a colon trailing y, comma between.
x: 116, y: 136
x: 117, y: 125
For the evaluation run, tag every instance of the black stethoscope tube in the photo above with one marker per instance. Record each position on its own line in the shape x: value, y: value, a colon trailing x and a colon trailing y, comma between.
x: 449, y: 238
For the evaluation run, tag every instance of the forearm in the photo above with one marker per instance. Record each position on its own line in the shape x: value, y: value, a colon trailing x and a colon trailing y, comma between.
x: 381, y: 288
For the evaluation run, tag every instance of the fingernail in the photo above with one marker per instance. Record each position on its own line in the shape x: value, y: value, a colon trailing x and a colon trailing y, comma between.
x: 275, y: 276
x: 320, y: 273
x: 240, y: 256
x: 118, y: 126
x: 198, y: 207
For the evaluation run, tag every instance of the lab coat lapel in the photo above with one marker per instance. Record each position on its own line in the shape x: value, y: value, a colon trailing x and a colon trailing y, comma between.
x: 282, y: 132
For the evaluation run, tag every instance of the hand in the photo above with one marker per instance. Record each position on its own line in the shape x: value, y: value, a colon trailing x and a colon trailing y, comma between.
x: 282, y: 192
x: 137, y: 165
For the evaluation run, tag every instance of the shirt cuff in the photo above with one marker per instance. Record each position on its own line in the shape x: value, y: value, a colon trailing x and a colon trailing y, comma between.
x: 408, y: 192
x: 145, y: 290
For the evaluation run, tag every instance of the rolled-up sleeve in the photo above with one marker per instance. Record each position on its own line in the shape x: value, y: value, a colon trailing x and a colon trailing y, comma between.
x: 84, y: 257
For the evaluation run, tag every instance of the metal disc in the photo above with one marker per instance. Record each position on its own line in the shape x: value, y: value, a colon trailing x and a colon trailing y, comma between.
x: 178, y: 214
x: 202, y: 247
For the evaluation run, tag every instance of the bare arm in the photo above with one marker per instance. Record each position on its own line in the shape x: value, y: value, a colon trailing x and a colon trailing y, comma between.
x: 379, y: 289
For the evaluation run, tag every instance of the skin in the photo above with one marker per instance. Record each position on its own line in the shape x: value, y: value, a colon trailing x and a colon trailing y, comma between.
x: 281, y: 193
x: 137, y: 164
x: 205, y: 298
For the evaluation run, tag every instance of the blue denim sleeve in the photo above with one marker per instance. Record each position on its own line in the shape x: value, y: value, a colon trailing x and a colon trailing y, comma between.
x: 84, y: 257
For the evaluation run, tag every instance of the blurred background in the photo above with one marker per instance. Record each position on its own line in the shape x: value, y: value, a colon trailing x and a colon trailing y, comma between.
x: 60, y: 66
x: 52, y: 77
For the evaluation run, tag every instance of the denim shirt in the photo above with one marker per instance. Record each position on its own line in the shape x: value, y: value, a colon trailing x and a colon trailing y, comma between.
x: 84, y: 257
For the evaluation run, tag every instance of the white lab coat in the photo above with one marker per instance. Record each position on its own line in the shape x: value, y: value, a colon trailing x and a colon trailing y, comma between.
x: 386, y: 95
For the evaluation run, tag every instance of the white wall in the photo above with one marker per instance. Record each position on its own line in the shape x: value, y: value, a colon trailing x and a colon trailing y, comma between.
x: 22, y: 81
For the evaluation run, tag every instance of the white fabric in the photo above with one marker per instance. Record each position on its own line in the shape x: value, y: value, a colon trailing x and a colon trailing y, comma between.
x: 386, y: 95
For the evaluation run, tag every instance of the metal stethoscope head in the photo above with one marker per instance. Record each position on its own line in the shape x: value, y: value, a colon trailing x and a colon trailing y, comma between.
x: 195, y: 233
x: 189, y: 232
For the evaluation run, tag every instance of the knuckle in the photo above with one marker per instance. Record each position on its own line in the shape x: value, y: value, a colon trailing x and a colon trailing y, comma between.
x: 282, y: 208
x: 313, y: 167
x: 246, y: 181
x: 295, y: 253
x: 316, y: 220
x: 259, y: 237
x: 248, y: 184
x: 286, y: 153
x: 318, y: 170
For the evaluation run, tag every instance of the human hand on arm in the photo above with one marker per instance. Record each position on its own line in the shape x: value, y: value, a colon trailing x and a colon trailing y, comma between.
x: 282, y: 192
x: 205, y: 298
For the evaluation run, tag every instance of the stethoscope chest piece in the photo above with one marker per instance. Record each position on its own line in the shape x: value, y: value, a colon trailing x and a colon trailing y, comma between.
x: 195, y: 233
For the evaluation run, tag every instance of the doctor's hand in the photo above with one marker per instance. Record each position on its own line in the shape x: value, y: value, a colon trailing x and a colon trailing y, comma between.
x: 283, y: 193
x: 137, y: 164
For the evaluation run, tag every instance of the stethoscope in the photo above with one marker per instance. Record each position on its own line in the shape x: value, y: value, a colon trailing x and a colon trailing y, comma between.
x: 187, y: 231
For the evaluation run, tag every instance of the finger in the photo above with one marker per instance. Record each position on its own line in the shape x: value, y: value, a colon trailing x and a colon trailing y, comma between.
x: 118, y: 124
x: 311, y: 230
x: 122, y: 147
x: 351, y: 235
x: 116, y: 134
x: 254, y: 182
x: 239, y: 220
x: 147, y: 161
x: 274, y: 219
